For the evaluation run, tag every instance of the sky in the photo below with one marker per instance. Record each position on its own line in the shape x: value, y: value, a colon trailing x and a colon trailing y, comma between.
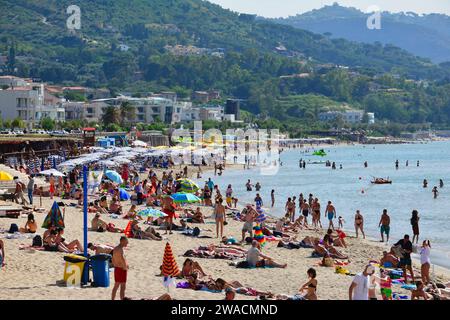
x: 284, y: 8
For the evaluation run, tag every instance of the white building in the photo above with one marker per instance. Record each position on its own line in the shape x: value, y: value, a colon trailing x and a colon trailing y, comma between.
x: 350, y: 116
x: 148, y: 110
x: 29, y: 104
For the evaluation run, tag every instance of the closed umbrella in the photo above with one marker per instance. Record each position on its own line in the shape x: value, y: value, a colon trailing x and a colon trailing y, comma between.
x: 185, y: 198
x: 113, y: 176
x: 54, y: 217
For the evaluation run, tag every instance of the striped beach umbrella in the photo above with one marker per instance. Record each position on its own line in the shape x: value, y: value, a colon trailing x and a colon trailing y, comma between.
x: 169, y: 267
x: 188, y: 186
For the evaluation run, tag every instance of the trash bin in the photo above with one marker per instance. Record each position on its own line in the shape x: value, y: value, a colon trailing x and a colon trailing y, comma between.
x: 74, y: 269
x: 100, y: 269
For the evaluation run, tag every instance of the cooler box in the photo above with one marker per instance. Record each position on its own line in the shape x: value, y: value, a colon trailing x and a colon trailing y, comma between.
x: 74, y: 269
x: 100, y: 269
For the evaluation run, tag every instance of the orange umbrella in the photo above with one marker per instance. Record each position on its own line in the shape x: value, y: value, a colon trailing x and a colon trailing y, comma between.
x: 170, y: 267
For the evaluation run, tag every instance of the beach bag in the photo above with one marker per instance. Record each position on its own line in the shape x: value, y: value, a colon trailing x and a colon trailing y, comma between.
x: 37, y: 241
x: 13, y: 228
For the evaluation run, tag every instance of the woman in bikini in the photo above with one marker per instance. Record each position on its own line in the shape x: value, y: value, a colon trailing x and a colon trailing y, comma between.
x: 219, y: 213
x: 309, y: 289
x: 359, y: 223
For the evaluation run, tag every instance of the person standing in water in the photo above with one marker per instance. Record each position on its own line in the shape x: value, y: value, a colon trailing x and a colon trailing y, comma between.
x: 406, y: 162
x: 441, y: 183
x: 330, y: 213
x: 435, y: 192
x: 396, y: 164
x: 365, y: 164
x: 418, y: 162
x: 425, y: 183
x: 415, y: 225
x: 272, y: 197
x: 384, y: 225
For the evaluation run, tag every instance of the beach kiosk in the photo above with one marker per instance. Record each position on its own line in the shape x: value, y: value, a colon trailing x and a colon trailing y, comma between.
x: 89, y: 137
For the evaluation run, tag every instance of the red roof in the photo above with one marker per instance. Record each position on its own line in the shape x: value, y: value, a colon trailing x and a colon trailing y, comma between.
x: 89, y: 129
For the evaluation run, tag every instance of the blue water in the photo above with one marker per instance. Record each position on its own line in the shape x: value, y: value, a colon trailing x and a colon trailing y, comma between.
x: 343, y: 187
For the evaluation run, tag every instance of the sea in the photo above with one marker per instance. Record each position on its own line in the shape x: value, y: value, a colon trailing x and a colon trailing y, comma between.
x: 350, y: 188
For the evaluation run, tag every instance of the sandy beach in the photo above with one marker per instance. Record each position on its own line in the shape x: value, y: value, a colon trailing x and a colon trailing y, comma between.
x: 31, y: 274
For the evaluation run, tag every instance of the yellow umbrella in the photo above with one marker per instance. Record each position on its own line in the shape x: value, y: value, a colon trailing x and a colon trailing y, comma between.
x: 5, y: 176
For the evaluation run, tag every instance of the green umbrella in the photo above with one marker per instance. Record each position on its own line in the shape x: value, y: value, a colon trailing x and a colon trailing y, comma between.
x: 188, y: 186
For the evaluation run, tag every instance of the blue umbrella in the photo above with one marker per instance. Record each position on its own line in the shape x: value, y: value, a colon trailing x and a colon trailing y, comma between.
x: 113, y: 176
x: 150, y: 212
x: 185, y: 198
x: 124, y: 195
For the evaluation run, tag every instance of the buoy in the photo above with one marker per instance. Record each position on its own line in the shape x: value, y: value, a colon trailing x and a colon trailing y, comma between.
x: 362, y: 191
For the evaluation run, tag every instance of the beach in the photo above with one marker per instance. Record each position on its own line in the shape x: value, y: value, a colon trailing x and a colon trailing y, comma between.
x: 33, y: 274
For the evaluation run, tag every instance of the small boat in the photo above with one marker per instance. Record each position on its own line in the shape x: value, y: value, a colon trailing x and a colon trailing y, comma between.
x: 381, y: 181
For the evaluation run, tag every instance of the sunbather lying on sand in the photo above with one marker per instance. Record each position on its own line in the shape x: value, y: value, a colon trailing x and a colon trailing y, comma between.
x: 325, y: 249
x: 148, y: 234
x: 190, y: 267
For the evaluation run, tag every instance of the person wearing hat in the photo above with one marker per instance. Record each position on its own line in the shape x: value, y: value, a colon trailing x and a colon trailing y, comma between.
x: 359, y: 289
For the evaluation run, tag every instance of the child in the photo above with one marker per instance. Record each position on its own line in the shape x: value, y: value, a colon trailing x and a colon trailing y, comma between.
x: 341, y: 222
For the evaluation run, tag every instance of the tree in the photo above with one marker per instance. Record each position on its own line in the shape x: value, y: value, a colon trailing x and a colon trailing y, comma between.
x: 18, y: 123
x: 111, y: 115
x: 127, y: 113
x: 7, y: 124
x: 47, y: 124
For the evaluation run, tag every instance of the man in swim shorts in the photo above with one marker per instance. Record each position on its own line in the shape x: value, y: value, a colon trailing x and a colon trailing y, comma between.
x: 384, y: 225
x: 330, y: 212
x: 120, y: 269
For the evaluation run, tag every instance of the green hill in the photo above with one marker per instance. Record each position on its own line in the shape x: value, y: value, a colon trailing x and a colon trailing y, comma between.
x: 123, y: 45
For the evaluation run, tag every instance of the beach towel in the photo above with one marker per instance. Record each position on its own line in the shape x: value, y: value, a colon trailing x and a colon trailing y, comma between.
x: 409, y: 287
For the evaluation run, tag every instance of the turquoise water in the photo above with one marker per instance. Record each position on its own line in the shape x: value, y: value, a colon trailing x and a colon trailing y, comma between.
x: 343, y: 187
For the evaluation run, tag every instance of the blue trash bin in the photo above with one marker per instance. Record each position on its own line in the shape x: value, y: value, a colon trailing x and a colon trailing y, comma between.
x: 100, y: 269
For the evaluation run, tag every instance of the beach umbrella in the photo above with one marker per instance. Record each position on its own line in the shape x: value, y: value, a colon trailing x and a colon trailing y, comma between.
x: 124, y: 195
x: 181, y: 197
x: 188, y: 186
x: 139, y: 143
x: 150, y: 212
x: 259, y: 236
x: 55, y: 173
x: 261, y: 216
x: 113, y: 176
x: 169, y: 266
x: 54, y: 217
x: 5, y: 176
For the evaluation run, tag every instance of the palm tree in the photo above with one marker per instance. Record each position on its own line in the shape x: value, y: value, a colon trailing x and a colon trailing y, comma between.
x: 127, y: 112
x: 111, y: 115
